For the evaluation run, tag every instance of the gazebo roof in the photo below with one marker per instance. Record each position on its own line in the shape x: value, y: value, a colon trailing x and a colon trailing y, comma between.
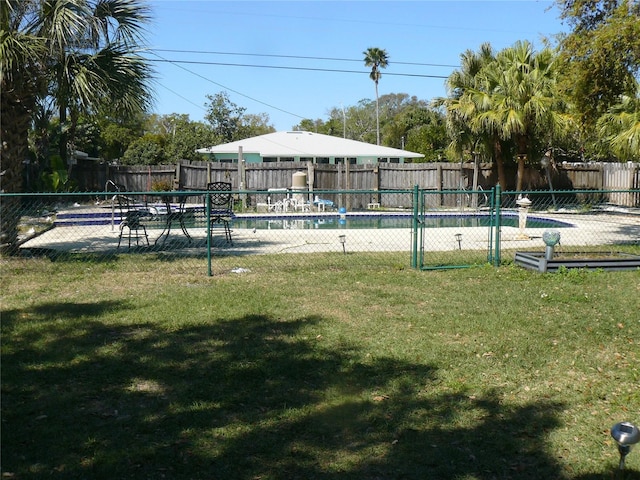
x: 307, y: 144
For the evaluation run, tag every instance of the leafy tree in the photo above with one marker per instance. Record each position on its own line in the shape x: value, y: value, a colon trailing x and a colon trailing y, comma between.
x: 147, y: 150
x: 254, y: 124
x: 229, y: 121
x: 426, y: 133
x: 224, y: 116
x: 309, y: 125
x: 115, y: 138
x: 376, y: 58
x: 186, y: 136
x: 601, y: 56
x: 93, y: 60
x: 411, y: 124
x: 361, y: 121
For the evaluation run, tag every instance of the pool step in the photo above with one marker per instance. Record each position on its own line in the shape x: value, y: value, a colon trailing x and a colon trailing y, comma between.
x: 84, y: 219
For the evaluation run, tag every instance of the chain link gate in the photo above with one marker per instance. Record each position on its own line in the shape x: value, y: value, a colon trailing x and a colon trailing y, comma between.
x: 455, y: 228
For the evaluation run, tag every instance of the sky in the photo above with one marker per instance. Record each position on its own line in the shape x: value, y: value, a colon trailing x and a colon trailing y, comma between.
x: 294, y: 60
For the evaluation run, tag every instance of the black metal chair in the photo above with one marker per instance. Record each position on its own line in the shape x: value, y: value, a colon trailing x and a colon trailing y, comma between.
x: 220, y: 207
x: 175, y: 214
x: 130, y: 216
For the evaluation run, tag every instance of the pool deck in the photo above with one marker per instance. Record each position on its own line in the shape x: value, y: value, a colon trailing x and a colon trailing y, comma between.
x: 589, y: 229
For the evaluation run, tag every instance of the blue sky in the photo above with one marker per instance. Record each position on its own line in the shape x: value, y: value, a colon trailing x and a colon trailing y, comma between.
x: 298, y: 59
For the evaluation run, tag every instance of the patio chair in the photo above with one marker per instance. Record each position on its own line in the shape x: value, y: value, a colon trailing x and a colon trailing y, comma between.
x: 174, y: 214
x: 220, y: 207
x: 130, y: 216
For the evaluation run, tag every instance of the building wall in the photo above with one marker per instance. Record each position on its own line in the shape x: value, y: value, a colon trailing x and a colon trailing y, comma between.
x: 257, y: 158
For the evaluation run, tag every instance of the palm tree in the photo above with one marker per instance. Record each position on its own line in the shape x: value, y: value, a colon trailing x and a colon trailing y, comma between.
x: 522, y: 104
x: 621, y: 127
x: 376, y: 58
x: 20, y: 84
x: 507, y: 102
x: 467, y: 89
x: 82, y: 53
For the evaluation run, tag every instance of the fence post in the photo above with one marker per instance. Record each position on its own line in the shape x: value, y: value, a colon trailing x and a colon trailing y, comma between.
x: 416, y: 210
x: 498, y: 225
x: 177, y: 184
x: 439, y: 184
x: 207, y: 211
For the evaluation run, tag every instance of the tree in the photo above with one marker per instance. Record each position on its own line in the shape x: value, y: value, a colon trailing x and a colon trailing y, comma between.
x: 117, y: 135
x: 20, y: 84
x: 601, y: 56
x: 620, y: 126
x: 411, y: 124
x: 464, y: 103
x: 93, y: 58
x: 376, y: 58
x: 521, y: 102
x: 507, y: 101
x: 254, y: 124
x: 229, y: 121
x: 184, y: 137
x: 146, y: 150
x: 309, y: 125
x: 82, y: 53
x: 224, y: 116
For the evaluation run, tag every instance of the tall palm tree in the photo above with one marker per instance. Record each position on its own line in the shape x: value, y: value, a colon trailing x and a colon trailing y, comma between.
x: 376, y: 58
x: 82, y: 53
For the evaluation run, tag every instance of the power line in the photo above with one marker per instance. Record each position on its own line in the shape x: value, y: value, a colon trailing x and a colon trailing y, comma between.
x: 332, y: 59
x: 183, y: 98
x: 310, y: 69
x: 176, y: 63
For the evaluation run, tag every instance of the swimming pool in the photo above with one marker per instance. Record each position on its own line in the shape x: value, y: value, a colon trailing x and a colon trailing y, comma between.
x: 382, y: 221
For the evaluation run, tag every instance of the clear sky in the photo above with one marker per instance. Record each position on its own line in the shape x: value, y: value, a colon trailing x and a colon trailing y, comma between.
x: 298, y: 59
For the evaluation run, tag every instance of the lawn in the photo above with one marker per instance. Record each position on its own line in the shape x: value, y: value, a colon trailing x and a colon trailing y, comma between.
x: 327, y: 369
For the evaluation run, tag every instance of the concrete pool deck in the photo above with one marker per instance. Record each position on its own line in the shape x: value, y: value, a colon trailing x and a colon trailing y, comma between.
x: 589, y: 230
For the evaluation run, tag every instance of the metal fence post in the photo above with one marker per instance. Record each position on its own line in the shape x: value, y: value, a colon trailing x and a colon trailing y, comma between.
x: 207, y: 217
x: 498, y: 225
x: 414, y: 248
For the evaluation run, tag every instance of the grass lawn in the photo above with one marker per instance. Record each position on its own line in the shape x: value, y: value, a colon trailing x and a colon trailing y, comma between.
x: 329, y: 369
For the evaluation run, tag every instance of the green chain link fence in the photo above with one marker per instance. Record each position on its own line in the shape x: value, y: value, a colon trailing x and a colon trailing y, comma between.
x: 464, y: 228
x: 415, y: 228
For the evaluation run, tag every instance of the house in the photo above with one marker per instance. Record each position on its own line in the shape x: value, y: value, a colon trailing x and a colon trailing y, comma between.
x: 306, y: 147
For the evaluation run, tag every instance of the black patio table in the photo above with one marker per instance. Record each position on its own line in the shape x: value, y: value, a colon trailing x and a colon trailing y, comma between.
x: 174, y: 213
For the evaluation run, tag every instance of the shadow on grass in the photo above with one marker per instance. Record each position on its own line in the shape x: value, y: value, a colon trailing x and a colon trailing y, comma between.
x: 245, y: 398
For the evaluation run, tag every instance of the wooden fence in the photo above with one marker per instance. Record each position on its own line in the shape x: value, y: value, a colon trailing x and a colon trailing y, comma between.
x: 186, y: 175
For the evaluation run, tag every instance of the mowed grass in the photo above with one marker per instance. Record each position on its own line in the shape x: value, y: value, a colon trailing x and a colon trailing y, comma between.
x: 334, y: 367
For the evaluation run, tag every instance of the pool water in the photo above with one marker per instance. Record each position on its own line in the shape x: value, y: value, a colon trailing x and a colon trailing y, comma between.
x: 352, y: 221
